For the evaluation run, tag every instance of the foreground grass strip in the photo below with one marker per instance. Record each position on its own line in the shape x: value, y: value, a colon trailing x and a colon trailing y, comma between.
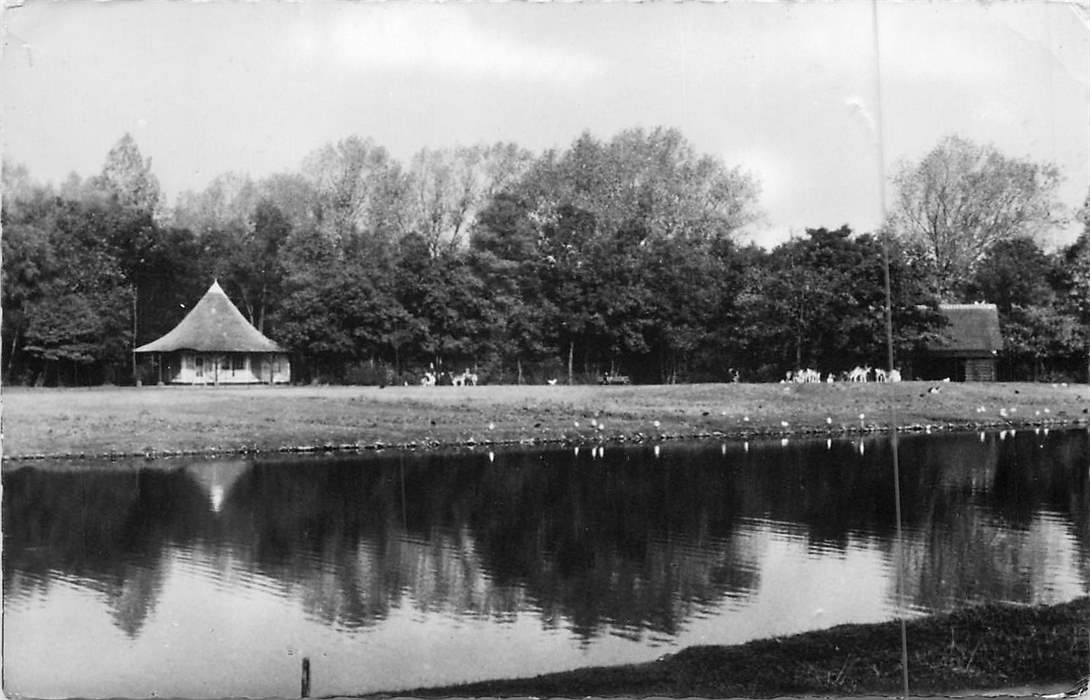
x: 990, y: 647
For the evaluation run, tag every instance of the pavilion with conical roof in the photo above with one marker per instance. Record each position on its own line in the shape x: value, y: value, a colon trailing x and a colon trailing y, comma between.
x: 215, y: 344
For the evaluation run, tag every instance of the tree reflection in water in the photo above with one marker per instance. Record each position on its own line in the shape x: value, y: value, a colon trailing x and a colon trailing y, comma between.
x: 626, y: 545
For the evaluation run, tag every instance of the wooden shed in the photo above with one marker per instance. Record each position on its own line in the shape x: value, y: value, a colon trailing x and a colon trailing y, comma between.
x: 215, y: 344
x: 969, y: 346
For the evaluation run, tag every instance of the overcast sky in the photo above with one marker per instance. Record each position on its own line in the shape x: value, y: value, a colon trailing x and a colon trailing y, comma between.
x: 785, y: 90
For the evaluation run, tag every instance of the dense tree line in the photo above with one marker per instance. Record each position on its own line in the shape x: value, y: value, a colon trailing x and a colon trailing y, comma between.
x: 609, y: 255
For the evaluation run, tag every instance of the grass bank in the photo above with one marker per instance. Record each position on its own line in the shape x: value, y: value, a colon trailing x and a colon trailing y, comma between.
x: 181, y: 420
x: 992, y: 647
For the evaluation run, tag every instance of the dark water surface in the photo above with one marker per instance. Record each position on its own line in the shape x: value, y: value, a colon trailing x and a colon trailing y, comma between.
x: 214, y: 578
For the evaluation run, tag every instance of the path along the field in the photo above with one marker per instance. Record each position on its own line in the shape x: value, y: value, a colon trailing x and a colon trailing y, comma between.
x: 171, y: 420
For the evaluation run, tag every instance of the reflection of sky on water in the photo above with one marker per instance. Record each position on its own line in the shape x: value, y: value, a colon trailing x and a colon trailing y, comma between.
x: 1057, y: 576
x: 803, y: 588
x: 214, y: 579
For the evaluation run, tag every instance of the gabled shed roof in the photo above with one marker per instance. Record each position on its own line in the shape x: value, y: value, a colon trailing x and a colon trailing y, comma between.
x: 213, y: 325
x: 972, y: 331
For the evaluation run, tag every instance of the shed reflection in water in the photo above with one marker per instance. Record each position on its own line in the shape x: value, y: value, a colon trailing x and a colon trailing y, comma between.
x: 395, y: 571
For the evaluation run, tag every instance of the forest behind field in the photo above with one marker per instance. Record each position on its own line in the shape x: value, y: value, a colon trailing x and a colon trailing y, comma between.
x: 625, y: 254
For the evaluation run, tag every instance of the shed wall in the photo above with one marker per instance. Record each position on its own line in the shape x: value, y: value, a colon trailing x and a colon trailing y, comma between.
x: 980, y: 369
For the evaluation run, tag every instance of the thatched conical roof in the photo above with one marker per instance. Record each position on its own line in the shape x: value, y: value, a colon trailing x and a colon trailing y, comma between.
x: 213, y: 325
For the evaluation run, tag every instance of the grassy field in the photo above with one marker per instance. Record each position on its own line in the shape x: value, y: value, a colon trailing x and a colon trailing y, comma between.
x: 174, y: 420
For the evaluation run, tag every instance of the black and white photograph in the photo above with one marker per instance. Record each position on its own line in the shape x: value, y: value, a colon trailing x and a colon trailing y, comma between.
x: 477, y: 349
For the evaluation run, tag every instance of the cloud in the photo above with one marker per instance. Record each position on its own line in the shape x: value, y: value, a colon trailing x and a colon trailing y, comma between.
x: 441, y: 40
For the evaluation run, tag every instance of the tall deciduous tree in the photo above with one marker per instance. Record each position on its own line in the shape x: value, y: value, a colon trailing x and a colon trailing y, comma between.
x: 819, y: 302
x: 127, y: 175
x: 226, y: 203
x: 605, y: 213
x: 654, y: 180
x: 1075, y: 262
x: 77, y: 315
x: 27, y: 217
x: 1038, y: 326
x: 1014, y: 272
x: 361, y: 190
x: 253, y: 264
x: 520, y: 315
x: 449, y: 188
x: 963, y: 198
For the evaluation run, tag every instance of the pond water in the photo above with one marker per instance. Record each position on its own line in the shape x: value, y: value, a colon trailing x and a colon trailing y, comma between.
x: 394, y: 571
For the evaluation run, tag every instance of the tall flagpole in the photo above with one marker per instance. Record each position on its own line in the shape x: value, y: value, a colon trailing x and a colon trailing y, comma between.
x: 900, y: 551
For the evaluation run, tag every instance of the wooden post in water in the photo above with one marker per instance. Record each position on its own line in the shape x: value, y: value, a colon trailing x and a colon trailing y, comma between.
x: 304, y: 691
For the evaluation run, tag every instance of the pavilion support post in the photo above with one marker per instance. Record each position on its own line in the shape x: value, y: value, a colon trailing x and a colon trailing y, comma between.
x: 134, y: 375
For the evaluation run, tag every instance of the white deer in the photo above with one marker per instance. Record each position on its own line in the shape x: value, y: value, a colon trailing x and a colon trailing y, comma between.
x: 893, y: 375
x: 466, y: 378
